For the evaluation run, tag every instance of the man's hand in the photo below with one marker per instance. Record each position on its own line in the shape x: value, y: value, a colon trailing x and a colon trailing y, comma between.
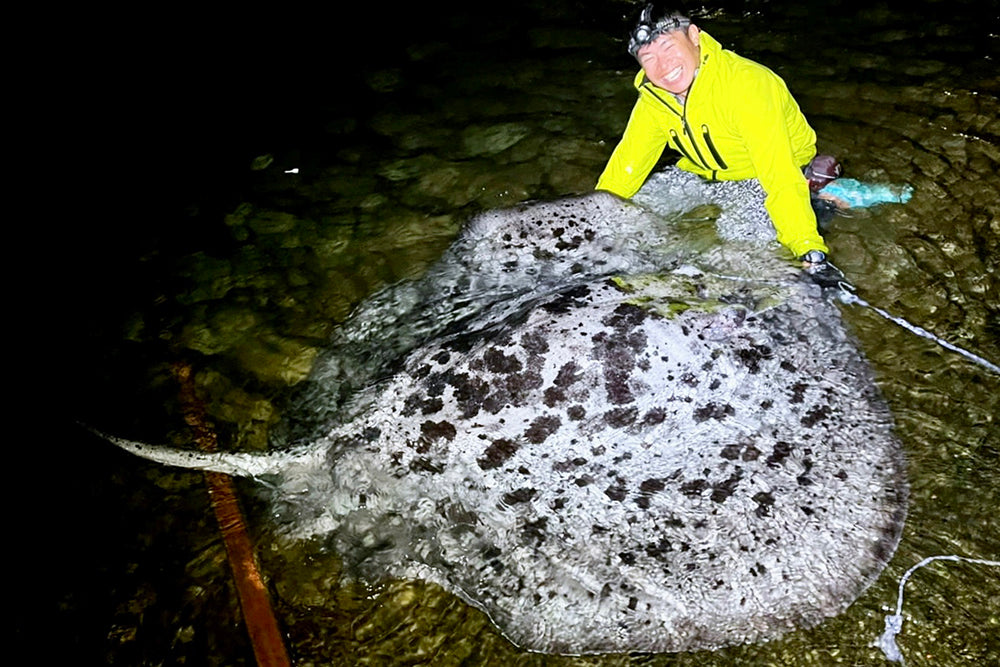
x: 821, y: 271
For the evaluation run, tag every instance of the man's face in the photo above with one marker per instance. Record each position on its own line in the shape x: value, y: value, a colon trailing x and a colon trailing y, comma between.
x: 671, y: 59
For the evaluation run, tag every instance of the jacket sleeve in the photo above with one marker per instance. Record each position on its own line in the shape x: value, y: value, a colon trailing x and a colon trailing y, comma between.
x: 762, y: 119
x: 636, y: 154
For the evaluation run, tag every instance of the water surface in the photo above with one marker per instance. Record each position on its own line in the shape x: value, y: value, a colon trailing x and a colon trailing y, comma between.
x: 208, y: 247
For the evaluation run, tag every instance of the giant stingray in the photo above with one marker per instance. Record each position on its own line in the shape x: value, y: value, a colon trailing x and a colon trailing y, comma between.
x: 607, y: 429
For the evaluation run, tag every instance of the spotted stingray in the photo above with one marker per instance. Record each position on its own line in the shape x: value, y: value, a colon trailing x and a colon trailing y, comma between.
x: 608, y: 430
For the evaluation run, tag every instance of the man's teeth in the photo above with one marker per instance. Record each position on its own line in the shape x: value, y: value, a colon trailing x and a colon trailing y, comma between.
x: 674, y: 74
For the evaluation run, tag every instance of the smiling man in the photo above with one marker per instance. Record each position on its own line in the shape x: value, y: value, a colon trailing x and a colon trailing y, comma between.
x: 730, y: 119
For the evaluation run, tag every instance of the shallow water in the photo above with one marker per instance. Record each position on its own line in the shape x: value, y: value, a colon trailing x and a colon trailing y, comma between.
x: 208, y: 250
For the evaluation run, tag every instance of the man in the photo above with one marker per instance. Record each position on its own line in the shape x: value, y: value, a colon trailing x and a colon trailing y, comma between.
x: 730, y: 118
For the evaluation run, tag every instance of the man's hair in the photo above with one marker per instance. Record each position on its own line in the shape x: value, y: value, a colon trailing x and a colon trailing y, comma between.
x: 653, y: 23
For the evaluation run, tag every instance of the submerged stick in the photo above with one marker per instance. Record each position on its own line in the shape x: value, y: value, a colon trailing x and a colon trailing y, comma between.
x: 262, y: 626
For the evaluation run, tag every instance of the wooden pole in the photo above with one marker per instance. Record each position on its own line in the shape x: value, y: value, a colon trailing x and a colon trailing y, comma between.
x: 262, y: 626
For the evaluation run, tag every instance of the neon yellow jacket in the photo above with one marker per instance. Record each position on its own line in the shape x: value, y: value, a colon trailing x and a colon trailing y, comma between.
x: 739, y: 121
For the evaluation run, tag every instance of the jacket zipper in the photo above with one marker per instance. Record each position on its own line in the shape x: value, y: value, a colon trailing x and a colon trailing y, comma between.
x: 680, y: 146
x: 711, y: 147
x: 706, y: 135
x: 690, y: 135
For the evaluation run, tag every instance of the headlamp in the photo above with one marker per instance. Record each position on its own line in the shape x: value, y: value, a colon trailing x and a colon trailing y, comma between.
x: 648, y: 30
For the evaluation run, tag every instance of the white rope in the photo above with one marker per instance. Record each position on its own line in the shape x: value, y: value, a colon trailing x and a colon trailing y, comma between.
x: 849, y: 297
x: 894, y: 622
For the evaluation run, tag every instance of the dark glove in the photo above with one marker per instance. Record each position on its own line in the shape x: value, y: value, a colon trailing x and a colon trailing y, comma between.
x: 823, y: 272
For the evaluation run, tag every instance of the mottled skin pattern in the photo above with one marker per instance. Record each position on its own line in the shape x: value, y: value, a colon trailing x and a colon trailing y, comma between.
x: 600, y: 477
x: 690, y: 456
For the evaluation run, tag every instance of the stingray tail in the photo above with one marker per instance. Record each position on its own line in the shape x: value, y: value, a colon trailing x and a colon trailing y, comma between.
x: 237, y: 464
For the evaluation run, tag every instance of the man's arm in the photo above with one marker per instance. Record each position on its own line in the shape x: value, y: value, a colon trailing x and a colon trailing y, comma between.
x: 640, y: 147
x: 763, y: 123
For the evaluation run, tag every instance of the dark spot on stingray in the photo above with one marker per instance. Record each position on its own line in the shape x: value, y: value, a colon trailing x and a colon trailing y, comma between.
x: 523, y: 470
x: 568, y: 374
x: 690, y: 379
x: 721, y: 491
x: 522, y: 495
x: 520, y: 385
x: 766, y: 404
x: 583, y: 480
x: 751, y: 453
x: 694, y: 487
x: 534, y: 342
x: 752, y: 356
x: 558, y: 503
x: 598, y: 451
x: 576, y: 412
x: 534, y: 531
x: 431, y: 406
x: 598, y: 529
x: 371, y: 433
x: 633, y: 602
x: 803, y: 480
x: 553, y: 396
x: 411, y: 404
x: 841, y: 475
x: 713, y: 411
x: 779, y: 454
x: 654, y: 416
x: 497, y: 453
x: 424, y: 464
x: 470, y: 393
x: 620, y: 417
x: 422, y: 371
x: 815, y: 415
x: 498, y: 362
x: 616, y: 384
x: 616, y: 491
x: 715, y: 384
x: 764, y: 502
x: 649, y: 486
x: 495, y: 402
x: 788, y: 366
x: 798, y: 392
x: 441, y: 357
x: 627, y: 557
x: 569, y: 464
x: 541, y: 428
x: 730, y: 452
x: 432, y: 430
x: 659, y: 549
x: 808, y: 511
x: 571, y: 298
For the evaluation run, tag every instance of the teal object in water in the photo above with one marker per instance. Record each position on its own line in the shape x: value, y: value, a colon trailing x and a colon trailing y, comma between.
x: 857, y: 194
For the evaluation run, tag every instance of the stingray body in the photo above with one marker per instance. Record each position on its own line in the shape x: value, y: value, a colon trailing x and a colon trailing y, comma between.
x: 671, y: 459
